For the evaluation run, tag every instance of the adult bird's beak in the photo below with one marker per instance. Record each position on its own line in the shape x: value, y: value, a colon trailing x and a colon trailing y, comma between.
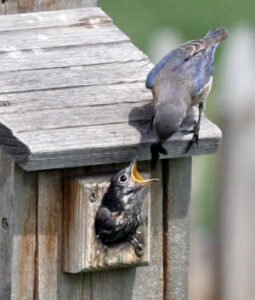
x: 137, y: 178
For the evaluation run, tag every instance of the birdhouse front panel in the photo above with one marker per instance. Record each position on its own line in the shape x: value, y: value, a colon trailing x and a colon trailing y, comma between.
x: 83, y: 250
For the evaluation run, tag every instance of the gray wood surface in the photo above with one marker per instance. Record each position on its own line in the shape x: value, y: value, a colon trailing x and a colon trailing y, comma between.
x: 177, y: 187
x: 82, y: 198
x: 49, y: 238
x: 51, y: 19
x: 6, y: 223
x: 72, y: 76
x: 24, y: 235
x: 52, y: 283
x: 72, y: 93
x: 106, y: 144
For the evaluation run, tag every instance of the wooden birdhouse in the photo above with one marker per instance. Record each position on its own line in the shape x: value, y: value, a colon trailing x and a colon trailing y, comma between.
x: 72, y: 102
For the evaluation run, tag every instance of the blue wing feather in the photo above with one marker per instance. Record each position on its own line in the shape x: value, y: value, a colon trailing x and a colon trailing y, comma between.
x: 199, y: 66
x: 175, y: 57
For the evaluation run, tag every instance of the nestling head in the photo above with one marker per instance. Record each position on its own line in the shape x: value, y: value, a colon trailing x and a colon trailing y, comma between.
x: 126, y: 184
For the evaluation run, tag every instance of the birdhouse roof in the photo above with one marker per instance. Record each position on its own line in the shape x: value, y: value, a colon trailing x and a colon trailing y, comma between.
x: 72, y: 93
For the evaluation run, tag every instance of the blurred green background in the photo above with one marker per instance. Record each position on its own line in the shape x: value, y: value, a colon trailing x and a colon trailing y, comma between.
x: 193, y: 18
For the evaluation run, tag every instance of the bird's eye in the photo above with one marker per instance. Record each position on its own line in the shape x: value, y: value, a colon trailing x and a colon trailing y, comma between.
x: 123, y: 178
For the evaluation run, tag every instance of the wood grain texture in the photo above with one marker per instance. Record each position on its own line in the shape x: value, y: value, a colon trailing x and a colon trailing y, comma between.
x: 73, y: 76
x: 49, y: 230
x: 6, y: 223
x: 51, y: 19
x: 72, y: 93
x: 24, y: 235
x: 83, y: 196
x: 104, y: 144
x: 177, y: 187
x: 112, y: 52
x: 73, y: 97
x: 74, y: 35
x: 52, y: 283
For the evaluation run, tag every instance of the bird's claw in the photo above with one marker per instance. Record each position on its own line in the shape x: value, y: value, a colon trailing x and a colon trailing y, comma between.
x: 195, y: 138
x: 139, y: 247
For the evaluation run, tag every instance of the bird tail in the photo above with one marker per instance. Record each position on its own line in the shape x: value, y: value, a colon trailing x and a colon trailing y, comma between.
x: 213, y: 38
x: 216, y: 35
x: 156, y: 148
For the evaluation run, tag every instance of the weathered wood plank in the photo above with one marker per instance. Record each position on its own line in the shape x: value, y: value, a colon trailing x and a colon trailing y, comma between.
x: 6, y: 223
x: 49, y: 230
x: 74, y: 76
x: 22, y: 6
x: 52, y: 282
x: 49, y: 19
x: 24, y: 235
x: 47, y: 38
x: 82, y: 199
x: 69, y: 57
x: 74, y: 97
x: 80, y: 116
x: 107, y: 144
x: 177, y: 186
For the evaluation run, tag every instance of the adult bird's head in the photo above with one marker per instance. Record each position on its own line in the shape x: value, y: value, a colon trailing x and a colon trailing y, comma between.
x: 125, y: 187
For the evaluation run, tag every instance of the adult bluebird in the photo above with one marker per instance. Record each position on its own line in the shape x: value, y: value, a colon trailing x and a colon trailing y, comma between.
x: 183, y: 78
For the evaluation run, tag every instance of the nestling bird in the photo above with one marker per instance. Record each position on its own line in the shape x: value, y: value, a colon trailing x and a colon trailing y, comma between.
x: 119, y: 214
x: 183, y: 78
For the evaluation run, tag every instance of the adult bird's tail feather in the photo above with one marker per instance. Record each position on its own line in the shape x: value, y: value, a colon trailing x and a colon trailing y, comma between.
x: 156, y: 148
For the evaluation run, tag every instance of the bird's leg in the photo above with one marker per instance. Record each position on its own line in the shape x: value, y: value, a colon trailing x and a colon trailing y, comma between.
x: 139, y: 247
x: 196, y: 128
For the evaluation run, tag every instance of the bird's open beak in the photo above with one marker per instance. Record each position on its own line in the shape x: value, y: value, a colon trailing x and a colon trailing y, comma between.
x: 137, y: 178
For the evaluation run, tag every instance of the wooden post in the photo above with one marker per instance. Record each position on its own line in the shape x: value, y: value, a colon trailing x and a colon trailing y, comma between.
x: 177, y: 186
x: 24, y: 235
x: 6, y: 225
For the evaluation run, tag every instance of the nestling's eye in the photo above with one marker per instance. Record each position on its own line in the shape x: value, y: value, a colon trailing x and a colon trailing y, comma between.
x: 123, y: 178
